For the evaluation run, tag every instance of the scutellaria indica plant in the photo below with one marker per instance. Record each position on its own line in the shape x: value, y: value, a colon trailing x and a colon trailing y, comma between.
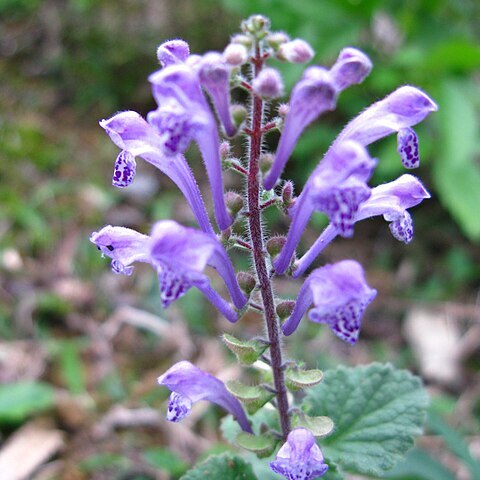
x: 364, y: 419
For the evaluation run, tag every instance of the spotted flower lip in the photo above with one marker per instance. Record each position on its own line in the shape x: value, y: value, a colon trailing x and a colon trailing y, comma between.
x: 131, y: 132
x: 299, y: 457
x: 315, y: 94
x: 179, y: 254
x: 392, y: 200
x: 189, y: 384
x: 337, y: 187
x: 183, y: 114
x: 340, y: 295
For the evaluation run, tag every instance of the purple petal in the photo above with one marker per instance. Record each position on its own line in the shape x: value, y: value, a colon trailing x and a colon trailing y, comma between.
x: 340, y: 297
x: 402, y: 228
x: 172, y: 52
x: 408, y: 148
x: 300, y: 458
x: 179, y: 407
x: 124, y: 170
x: 403, y: 108
x: 296, y: 51
x: 192, y: 383
x: 313, y: 95
x: 123, y: 245
x: 351, y: 67
x: 214, y: 76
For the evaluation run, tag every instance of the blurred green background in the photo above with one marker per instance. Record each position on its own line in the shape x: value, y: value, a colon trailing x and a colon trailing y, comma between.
x: 78, y: 345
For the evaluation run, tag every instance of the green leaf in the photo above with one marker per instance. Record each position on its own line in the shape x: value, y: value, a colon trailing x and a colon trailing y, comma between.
x: 419, y: 464
x: 247, y: 351
x: 164, y: 459
x: 252, y: 397
x: 22, y: 399
x: 319, y: 426
x: 377, y: 411
x: 456, y: 170
x: 262, y: 445
x: 224, y: 467
x: 297, y: 379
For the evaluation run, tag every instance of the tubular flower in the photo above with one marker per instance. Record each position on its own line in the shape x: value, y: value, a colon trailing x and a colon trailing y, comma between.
x: 183, y: 115
x: 214, y: 74
x: 392, y: 200
x: 189, y: 384
x: 136, y: 137
x: 340, y: 295
x: 313, y: 95
x: 179, y: 254
x: 337, y: 187
x: 299, y: 458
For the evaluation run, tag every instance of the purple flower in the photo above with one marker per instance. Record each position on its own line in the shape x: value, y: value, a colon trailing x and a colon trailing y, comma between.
x: 390, y: 200
x: 299, y: 458
x: 130, y: 132
x: 340, y: 296
x: 337, y: 187
x: 179, y: 254
x: 313, y: 95
x: 172, y: 52
x: 183, y: 114
x: 397, y: 112
x: 190, y: 384
x: 214, y: 74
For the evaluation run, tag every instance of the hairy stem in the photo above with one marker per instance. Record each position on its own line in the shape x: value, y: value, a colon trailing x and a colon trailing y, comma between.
x: 259, y: 254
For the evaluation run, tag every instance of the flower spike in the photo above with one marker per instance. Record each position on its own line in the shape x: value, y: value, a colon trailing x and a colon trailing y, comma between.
x: 189, y: 384
x: 130, y: 132
x: 392, y: 200
x: 183, y: 114
x: 179, y: 254
x: 300, y: 458
x: 340, y: 296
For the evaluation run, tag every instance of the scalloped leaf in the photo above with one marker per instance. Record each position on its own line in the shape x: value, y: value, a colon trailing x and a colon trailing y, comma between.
x: 377, y: 410
x: 224, y: 467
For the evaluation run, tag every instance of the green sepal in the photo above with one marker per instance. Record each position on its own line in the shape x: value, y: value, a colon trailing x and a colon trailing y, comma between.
x: 262, y: 445
x: 252, y: 397
x: 298, y: 379
x: 247, y: 351
x: 319, y: 426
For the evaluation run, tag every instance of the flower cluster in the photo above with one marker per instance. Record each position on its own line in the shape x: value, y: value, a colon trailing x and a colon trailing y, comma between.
x: 185, y: 88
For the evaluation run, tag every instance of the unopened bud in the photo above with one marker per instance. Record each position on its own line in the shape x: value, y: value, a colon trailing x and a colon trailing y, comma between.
x: 234, y: 203
x: 225, y: 149
x: 235, y: 54
x: 247, y: 282
x: 244, y: 40
x: 275, y: 245
x: 296, y: 51
x: 287, y: 194
x: 266, y: 162
x: 283, y: 110
x: 276, y: 39
x: 285, y: 309
x: 268, y: 83
x: 239, y: 114
x: 257, y: 25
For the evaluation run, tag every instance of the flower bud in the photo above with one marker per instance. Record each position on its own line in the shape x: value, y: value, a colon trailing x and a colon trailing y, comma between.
x: 240, y: 39
x: 247, y: 282
x: 225, y: 149
x: 173, y: 51
x: 284, y: 309
x: 234, y: 203
x: 296, y: 51
x: 275, y: 39
x: 257, y: 25
x: 268, y: 83
x: 275, y: 245
x: 288, y: 194
x: 283, y: 110
x: 266, y: 162
x: 235, y: 54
